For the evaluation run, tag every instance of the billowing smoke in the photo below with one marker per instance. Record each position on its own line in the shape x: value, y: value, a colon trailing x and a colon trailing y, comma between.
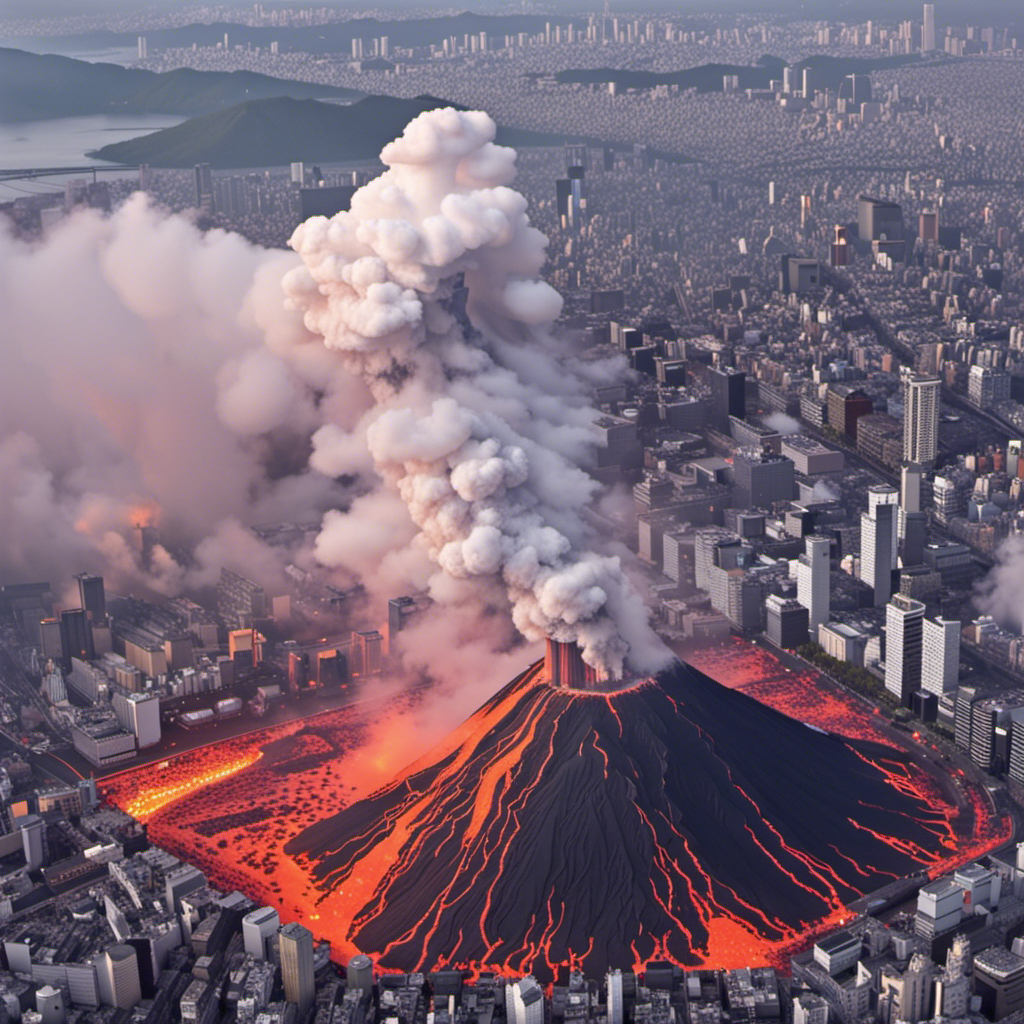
x: 478, y: 425
x: 782, y: 423
x: 1001, y: 593
x: 824, y: 491
x: 152, y: 376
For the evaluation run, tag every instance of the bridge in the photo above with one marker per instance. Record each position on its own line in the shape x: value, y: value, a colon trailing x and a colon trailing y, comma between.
x: 26, y: 173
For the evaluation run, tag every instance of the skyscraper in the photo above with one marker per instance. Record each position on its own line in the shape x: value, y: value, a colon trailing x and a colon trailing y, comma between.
x: 257, y: 927
x: 91, y: 596
x: 76, y: 635
x: 119, y: 977
x: 728, y: 396
x: 884, y: 494
x: 920, y: 419
x: 614, y: 981
x: 904, y: 618
x: 812, y: 588
x: 876, y: 550
x: 297, y: 966
x: 524, y: 1002
x: 940, y: 655
x: 928, y: 28
x: 204, y: 188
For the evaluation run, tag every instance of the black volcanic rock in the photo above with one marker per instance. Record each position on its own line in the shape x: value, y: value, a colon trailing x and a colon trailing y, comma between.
x: 679, y: 820
x: 38, y: 86
x: 273, y: 132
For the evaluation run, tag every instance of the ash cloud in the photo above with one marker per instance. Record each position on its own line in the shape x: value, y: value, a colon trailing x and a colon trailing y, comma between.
x: 147, y: 369
x: 157, y: 374
x: 477, y: 426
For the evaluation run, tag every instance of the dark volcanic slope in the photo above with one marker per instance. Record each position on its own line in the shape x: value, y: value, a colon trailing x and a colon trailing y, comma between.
x: 677, y: 820
x: 35, y: 87
x: 268, y: 133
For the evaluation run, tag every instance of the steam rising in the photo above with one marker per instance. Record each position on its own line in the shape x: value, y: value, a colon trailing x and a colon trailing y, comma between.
x: 465, y: 428
x: 154, y: 374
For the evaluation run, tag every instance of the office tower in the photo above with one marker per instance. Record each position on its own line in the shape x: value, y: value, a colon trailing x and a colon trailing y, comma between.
x: 928, y: 226
x: 728, y: 397
x: 876, y: 549
x: 999, y: 980
x: 940, y: 655
x: 884, y: 494
x: 812, y: 583
x: 614, y: 1002
x: 359, y: 974
x: 91, y: 596
x: 33, y: 840
x: 204, y: 188
x: 928, y: 28
x: 878, y: 219
x: 297, y: 966
x: 240, y: 602
x: 761, y: 479
x: 120, y: 985
x: 298, y: 172
x: 178, y: 883
x: 910, y: 492
x: 366, y: 653
x: 50, y: 1005
x: 76, y: 636
x: 524, y: 1002
x: 787, y: 621
x: 143, y: 48
x: 915, y: 537
x: 51, y: 644
x: 904, y: 618
x: 257, y: 928
x: 921, y: 420
x: 845, y: 406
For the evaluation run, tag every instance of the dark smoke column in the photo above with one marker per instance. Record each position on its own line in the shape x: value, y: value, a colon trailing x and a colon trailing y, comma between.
x: 479, y: 432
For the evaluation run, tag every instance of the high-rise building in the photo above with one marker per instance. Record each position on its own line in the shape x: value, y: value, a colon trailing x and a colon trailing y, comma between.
x: 296, y: 944
x: 878, y: 220
x: 298, y: 170
x: 76, y: 635
x: 884, y: 494
x: 91, y: 596
x: 204, y: 188
x: 845, y: 406
x: 812, y: 581
x: 366, y: 656
x: 928, y: 28
x: 728, y: 396
x: 614, y: 1002
x: 762, y: 479
x: 524, y: 1002
x: 120, y: 984
x: 999, y: 980
x: 257, y: 928
x: 904, y: 618
x: 240, y: 602
x: 33, y: 840
x: 910, y: 492
x: 51, y: 644
x: 940, y: 655
x: 359, y: 974
x: 876, y: 549
x: 786, y: 621
x: 921, y: 419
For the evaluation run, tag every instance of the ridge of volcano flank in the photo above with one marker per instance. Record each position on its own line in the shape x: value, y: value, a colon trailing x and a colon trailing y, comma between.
x: 676, y: 820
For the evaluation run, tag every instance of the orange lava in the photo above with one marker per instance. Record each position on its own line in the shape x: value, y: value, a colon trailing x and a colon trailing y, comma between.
x: 231, y: 807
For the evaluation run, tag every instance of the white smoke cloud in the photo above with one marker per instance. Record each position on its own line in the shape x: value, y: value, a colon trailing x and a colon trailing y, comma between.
x: 824, y: 491
x: 480, y: 430
x: 145, y: 365
x: 782, y: 423
x: 1001, y: 593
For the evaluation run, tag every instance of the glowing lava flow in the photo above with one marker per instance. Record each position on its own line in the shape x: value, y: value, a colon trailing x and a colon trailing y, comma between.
x: 654, y: 823
x: 677, y: 820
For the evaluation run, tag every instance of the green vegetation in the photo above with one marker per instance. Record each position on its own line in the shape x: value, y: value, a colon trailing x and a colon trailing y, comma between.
x: 38, y: 86
x: 860, y: 680
x: 273, y: 132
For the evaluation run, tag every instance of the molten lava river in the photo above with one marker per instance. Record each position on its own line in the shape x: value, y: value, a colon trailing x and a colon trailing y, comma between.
x: 679, y: 820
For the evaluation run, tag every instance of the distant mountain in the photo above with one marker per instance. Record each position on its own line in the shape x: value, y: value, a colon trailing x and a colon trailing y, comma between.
x: 34, y: 87
x: 273, y: 132
x: 335, y: 37
x: 830, y: 73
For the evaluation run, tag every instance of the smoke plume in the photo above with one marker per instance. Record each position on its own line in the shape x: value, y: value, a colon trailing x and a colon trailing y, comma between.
x: 477, y: 427
x: 782, y: 423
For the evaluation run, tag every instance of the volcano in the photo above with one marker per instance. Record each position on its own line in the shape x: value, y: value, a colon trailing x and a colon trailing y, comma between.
x: 676, y: 820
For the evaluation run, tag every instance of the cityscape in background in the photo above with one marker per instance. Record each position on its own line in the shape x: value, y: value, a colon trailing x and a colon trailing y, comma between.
x: 766, y: 726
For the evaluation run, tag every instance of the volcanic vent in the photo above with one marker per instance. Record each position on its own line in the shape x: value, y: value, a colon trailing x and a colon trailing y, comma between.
x: 676, y: 820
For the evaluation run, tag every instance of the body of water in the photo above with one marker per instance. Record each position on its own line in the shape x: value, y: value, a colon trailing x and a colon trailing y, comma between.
x: 64, y: 141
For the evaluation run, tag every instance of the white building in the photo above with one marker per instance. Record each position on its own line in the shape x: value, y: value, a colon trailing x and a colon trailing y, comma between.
x: 921, y: 419
x: 940, y: 655
x: 812, y: 583
x: 903, y: 638
x: 524, y: 1002
x: 257, y: 928
x: 877, y: 550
